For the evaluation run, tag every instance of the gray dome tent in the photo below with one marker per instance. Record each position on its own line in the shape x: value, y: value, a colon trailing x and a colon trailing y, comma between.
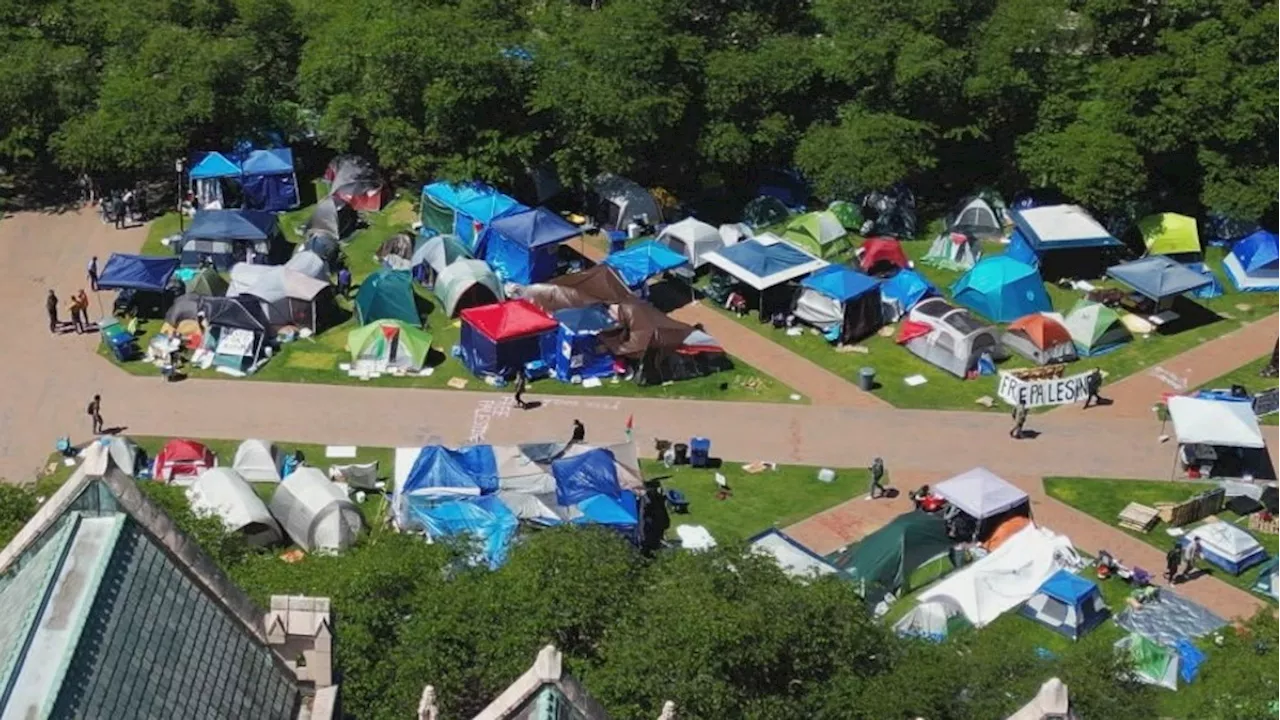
x: 315, y: 513
x: 223, y: 492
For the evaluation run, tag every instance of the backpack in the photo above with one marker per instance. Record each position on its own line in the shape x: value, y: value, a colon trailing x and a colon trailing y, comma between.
x: 1174, y: 556
x: 89, y: 410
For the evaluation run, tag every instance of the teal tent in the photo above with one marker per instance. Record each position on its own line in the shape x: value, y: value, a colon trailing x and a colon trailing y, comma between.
x: 387, y: 294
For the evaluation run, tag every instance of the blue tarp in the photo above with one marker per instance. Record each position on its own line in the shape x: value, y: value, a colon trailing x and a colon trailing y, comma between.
x: 905, y: 289
x: 1258, y: 253
x: 137, y: 272
x: 520, y: 246
x: 1158, y: 277
x: 641, y: 261
x: 617, y: 512
x: 579, y: 351
x: 212, y: 165
x: 1189, y: 660
x: 579, y: 477
x: 472, y: 204
x: 439, y: 469
x: 484, y: 518
x: 840, y: 282
x: 1067, y: 587
x: 1002, y: 289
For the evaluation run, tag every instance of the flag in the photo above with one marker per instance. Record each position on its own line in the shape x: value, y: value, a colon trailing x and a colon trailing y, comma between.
x: 631, y: 423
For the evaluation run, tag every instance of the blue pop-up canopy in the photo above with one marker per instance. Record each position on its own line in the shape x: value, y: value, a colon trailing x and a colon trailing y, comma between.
x: 232, y: 225
x: 464, y: 209
x: 274, y: 161
x: 137, y: 272
x: 840, y: 282
x: 1158, y: 277
x: 520, y: 245
x: 641, y: 261
x: 764, y: 262
x: 213, y: 165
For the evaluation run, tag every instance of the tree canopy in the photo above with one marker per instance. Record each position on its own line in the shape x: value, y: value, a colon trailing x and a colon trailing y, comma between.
x: 1122, y: 107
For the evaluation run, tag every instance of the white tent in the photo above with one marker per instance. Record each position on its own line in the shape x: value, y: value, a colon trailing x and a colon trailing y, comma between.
x: 733, y: 233
x: 980, y: 493
x: 310, y: 264
x: 928, y: 620
x: 795, y: 559
x: 316, y: 513
x: 954, y: 340
x: 1215, y: 422
x: 120, y: 451
x: 1053, y: 702
x: 223, y: 492
x: 1007, y: 577
x: 257, y: 461
x: 692, y: 238
x: 625, y: 201
x: 765, y: 261
x: 1228, y: 546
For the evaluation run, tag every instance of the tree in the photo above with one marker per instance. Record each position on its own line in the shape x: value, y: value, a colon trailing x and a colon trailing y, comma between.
x: 865, y: 151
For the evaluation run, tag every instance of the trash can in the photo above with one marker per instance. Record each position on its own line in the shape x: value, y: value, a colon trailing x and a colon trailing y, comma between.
x: 699, y: 451
x: 867, y: 378
x: 682, y: 453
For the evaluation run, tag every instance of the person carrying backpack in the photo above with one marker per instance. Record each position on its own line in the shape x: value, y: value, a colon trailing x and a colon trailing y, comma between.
x: 1171, y: 561
x: 95, y: 413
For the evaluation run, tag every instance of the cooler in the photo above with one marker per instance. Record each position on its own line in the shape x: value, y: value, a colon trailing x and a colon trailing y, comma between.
x: 699, y: 451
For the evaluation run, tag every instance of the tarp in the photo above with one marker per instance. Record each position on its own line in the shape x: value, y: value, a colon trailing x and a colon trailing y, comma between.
x: 883, y: 561
x: 819, y: 233
x: 579, y: 352
x: 508, y: 320
x: 765, y: 261
x: 1002, y: 289
x: 389, y: 343
x: 355, y: 181
x: 1169, y: 234
x: 137, y: 272
x: 1158, y: 277
x: 315, y: 512
x: 585, y: 475
x: 438, y: 470
x: 1152, y: 663
x: 118, y: 449
x: 1266, y: 583
x: 795, y: 559
x: 644, y: 328
x: 521, y: 245
x: 980, y: 493
x: 901, y: 292
x: 892, y: 212
x: 1060, y: 227
x: 1214, y: 422
x: 465, y: 284
x: 1005, y: 578
x: 225, y: 493
x: 849, y: 215
x: 599, y: 284
x: 641, y: 261
x: 485, y: 519
x: 693, y: 239
x: 386, y: 294
x: 440, y: 251
x: 764, y: 211
x: 882, y: 254
x: 1095, y: 328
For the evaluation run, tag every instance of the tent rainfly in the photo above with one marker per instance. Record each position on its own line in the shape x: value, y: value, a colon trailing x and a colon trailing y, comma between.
x: 115, y: 449
x: 309, y: 263
x: 978, y: 218
x: 1040, y: 338
x: 795, y: 559
x: 980, y: 493
x: 1254, y: 262
x: 207, y: 283
x: 841, y: 302
x: 1227, y: 546
x: 901, y: 292
x: 355, y: 182
x: 315, y: 513
x: 1158, y: 277
x: 466, y: 284
x: 764, y: 261
x: 1095, y: 328
x: 693, y: 239
x: 386, y: 294
x: 1223, y: 423
x: 223, y: 492
x: 1002, y: 289
x: 818, y: 233
x: 882, y: 256
x: 641, y: 261
x: 948, y: 337
x: 332, y: 220
x: 180, y: 461
x: 849, y: 214
x: 1169, y: 234
x: 1068, y: 604
x: 883, y: 561
x: 1060, y: 227
x: 385, y: 344
x: 257, y: 461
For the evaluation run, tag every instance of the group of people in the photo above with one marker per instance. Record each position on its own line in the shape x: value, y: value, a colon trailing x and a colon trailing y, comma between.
x: 1183, y: 558
x: 1092, y: 385
x: 77, y: 304
x: 120, y: 207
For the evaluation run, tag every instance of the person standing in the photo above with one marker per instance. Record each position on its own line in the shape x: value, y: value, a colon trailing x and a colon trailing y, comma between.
x: 92, y: 272
x: 73, y: 306
x: 1019, y: 420
x: 82, y: 304
x: 1190, y: 556
x: 1092, y: 384
x: 520, y: 383
x: 117, y: 211
x: 344, y: 281
x: 1171, y: 561
x: 51, y: 307
x: 95, y: 413
x: 579, y: 432
x: 877, y: 479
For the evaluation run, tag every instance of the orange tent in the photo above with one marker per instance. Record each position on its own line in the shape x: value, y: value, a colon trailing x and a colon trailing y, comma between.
x: 1042, y: 330
x: 1004, y: 531
x: 1040, y: 339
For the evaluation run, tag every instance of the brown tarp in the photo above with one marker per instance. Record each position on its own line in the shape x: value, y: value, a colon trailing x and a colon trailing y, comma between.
x: 643, y: 328
x: 599, y: 285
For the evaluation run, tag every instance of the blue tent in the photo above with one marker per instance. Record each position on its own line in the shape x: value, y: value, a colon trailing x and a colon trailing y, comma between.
x: 579, y: 352
x: 1002, y: 289
x: 209, y: 165
x: 1059, y: 227
x: 618, y: 512
x: 1254, y: 262
x: 521, y: 246
x: 901, y: 292
x: 1158, y: 277
x: 1213, y: 289
x: 464, y: 209
x: 440, y: 470
x: 840, y: 302
x: 268, y: 180
x: 1019, y: 250
x: 1068, y: 604
x: 840, y: 283
x: 484, y: 518
x: 223, y: 235
x: 593, y: 472
x: 137, y: 272
x: 641, y: 261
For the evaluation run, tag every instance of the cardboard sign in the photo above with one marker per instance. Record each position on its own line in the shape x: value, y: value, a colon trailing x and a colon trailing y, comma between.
x: 1039, y: 393
x: 1265, y: 403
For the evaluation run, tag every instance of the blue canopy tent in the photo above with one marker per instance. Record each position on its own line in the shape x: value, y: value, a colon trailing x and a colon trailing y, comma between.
x: 268, y: 180
x: 1002, y: 289
x: 521, y: 246
x: 1254, y: 263
x: 901, y: 292
x: 841, y: 302
x: 226, y: 237
x: 579, y: 352
x: 641, y: 261
x: 137, y: 272
x: 438, y: 470
x: 464, y: 210
x: 1158, y: 277
x: 483, y: 518
x: 765, y: 262
x: 209, y: 165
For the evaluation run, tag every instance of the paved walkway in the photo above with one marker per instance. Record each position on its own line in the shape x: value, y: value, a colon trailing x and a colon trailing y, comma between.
x: 48, y: 380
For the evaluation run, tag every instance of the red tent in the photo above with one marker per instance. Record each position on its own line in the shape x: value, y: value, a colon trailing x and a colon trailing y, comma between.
x: 882, y: 252
x: 508, y: 320
x: 182, y: 458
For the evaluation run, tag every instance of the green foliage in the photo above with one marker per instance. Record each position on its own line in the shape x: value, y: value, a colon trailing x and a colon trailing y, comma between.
x: 17, y: 505
x: 227, y: 549
x: 865, y: 151
x: 1238, y: 680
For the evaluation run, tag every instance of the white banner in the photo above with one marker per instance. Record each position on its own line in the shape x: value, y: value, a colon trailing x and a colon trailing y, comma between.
x: 1038, y: 393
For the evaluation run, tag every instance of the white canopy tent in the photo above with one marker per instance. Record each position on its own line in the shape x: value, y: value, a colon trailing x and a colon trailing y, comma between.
x: 316, y: 513
x: 1223, y: 423
x: 257, y: 461
x: 223, y: 492
x: 980, y: 493
x: 692, y: 238
x: 1007, y: 577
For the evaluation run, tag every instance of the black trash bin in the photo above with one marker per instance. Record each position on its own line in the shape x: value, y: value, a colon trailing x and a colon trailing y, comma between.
x: 682, y: 453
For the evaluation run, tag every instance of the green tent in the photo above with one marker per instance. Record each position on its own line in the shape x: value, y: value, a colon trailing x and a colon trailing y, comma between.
x: 1095, y: 328
x: 207, y: 282
x: 1152, y: 663
x: 884, y: 560
x: 1169, y: 234
x: 389, y: 343
x: 849, y: 215
x: 386, y: 294
x: 467, y: 283
x: 820, y: 233
x: 764, y: 211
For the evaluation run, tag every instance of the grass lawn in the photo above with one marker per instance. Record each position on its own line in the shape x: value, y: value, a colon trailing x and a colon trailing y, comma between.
x: 1247, y: 375
x: 893, y: 363
x: 1104, y: 499
x: 774, y: 498
x: 315, y: 360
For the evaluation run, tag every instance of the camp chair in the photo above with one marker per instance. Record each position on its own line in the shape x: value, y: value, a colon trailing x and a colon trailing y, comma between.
x: 678, y: 502
x: 363, y: 476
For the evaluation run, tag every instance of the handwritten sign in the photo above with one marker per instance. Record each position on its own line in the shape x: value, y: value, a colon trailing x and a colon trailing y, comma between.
x: 1265, y: 403
x: 1039, y: 393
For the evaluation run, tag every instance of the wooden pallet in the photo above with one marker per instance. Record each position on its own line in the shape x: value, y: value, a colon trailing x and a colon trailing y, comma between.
x: 1139, y: 517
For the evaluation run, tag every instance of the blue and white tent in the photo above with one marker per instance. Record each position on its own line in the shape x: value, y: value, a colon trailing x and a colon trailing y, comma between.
x: 641, y: 261
x: 841, y: 302
x: 765, y: 261
x: 268, y: 180
x: 1059, y: 227
x: 521, y: 246
x: 1068, y: 604
x: 579, y: 352
x: 1254, y: 263
x: 901, y: 292
x: 227, y: 237
x: 1002, y: 289
x: 137, y: 272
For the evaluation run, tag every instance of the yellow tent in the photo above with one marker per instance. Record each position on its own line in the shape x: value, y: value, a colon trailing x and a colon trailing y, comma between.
x: 1169, y: 234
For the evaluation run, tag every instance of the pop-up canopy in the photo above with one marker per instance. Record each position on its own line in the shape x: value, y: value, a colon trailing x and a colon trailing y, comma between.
x: 980, y: 493
x: 137, y: 272
x: 1224, y: 423
x: 765, y: 261
x: 1158, y: 277
x: 641, y: 261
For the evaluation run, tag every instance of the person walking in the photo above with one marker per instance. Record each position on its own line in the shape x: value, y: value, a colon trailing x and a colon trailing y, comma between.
x: 1190, y: 555
x: 520, y: 383
x: 877, y: 479
x: 1019, y: 420
x: 117, y: 211
x: 51, y: 307
x: 579, y: 432
x: 1092, y: 384
x: 95, y: 413
x: 1172, y: 559
x: 92, y: 272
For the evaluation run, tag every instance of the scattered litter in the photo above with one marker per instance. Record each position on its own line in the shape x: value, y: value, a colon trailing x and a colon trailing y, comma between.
x: 293, y: 556
x: 233, y: 372
x: 795, y: 331
x: 827, y: 475
x: 668, y: 383
x: 1244, y: 307
x: 887, y: 331
x: 695, y: 537
x: 69, y: 462
x: 1175, y: 532
x: 796, y: 397
x: 985, y: 401
x: 860, y: 349
x: 758, y: 467
x: 591, y: 382
x: 1226, y: 315
x: 339, y: 451
x: 426, y: 372
x: 915, y: 380
x: 344, y: 367
x: 457, y: 383
x: 1083, y: 286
